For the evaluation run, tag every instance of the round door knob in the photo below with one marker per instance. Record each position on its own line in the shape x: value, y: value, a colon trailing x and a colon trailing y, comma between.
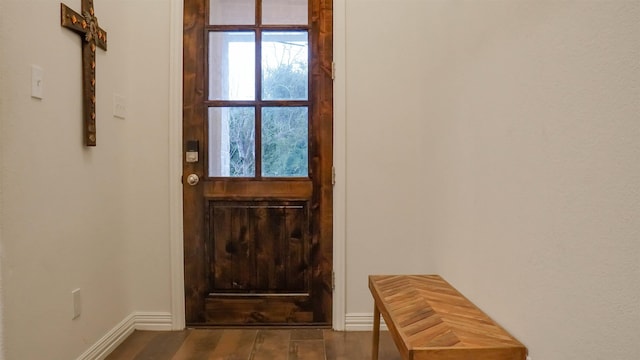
x: 193, y: 179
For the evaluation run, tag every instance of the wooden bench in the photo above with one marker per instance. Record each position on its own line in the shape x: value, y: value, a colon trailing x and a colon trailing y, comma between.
x: 430, y: 320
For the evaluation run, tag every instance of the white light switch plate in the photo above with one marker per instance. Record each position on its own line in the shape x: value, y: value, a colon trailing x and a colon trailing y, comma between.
x: 119, y: 106
x: 37, y: 82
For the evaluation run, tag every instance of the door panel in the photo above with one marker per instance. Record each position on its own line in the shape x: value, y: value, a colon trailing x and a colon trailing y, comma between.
x: 260, y: 246
x: 258, y: 224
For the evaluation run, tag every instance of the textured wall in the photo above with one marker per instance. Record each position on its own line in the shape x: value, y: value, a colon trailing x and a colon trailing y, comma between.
x: 497, y: 143
x: 532, y: 116
x: 384, y: 145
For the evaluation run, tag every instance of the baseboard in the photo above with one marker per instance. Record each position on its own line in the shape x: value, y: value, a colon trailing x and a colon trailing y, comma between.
x: 135, y: 321
x: 154, y: 321
x: 361, y: 322
x: 111, y: 340
x: 164, y: 322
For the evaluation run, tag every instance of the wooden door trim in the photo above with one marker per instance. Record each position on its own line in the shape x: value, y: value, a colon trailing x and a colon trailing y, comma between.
x: 322, y: 110
x: 284, y: 189
x: 192, y: 113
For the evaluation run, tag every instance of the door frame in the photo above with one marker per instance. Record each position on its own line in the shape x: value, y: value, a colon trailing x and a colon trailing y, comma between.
x: 175, y: 165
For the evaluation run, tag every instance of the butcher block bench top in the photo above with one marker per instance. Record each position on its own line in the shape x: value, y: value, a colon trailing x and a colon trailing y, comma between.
x: 430, y: 320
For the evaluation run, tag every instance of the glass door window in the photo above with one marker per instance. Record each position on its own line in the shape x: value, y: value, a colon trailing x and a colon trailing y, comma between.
x: 258, y: 89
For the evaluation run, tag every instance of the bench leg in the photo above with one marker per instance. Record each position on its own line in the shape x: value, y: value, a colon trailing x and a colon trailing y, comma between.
x: 376, y: 333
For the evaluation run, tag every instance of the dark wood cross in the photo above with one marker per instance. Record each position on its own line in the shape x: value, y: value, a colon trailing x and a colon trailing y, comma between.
x: 86, y: 25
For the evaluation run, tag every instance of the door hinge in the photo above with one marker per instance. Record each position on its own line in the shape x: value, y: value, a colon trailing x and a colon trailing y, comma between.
x: 333, y: 175
x: 333, y: 70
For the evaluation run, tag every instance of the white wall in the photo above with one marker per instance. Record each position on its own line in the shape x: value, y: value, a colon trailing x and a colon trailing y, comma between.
x: 384, y: 146
x: 146, y: 40
x: 77, y: 217
x: 524, y: 119
x: 515, y: 124
x: 536, y: 124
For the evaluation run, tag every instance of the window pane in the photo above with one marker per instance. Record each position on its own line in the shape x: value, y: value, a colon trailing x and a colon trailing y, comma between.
x: 285, y: 65
x: 285, y: 12
x: 285, y: 141
x: 232, y: 66
x: 232, y: 139
x: 232, y: 12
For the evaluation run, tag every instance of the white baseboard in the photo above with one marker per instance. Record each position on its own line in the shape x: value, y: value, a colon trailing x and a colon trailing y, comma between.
x: 362, y: 322
x: 164, y: 322
x: 111, y: 340
x: 115, y: 337
x: 154, y: 321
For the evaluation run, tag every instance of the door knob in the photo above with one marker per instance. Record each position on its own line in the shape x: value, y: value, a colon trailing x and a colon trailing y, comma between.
x: 193, y: 179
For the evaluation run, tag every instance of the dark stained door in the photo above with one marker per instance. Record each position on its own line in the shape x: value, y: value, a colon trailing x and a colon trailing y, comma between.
x: 257, y: 174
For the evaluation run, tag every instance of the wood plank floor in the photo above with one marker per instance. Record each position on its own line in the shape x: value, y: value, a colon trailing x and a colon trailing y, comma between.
x: 253, y: 344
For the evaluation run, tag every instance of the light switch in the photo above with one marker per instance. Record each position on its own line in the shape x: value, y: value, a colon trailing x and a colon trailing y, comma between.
x: 37, y: 82
x: 119, y: 106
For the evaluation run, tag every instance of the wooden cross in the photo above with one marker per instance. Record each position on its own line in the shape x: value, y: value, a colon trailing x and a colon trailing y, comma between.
x: 86, y: 25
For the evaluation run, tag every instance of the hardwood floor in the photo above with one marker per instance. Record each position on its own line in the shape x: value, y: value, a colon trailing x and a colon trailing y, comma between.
x: 253, y: 344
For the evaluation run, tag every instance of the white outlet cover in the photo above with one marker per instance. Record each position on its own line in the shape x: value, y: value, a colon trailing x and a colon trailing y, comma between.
x: 77, y: 309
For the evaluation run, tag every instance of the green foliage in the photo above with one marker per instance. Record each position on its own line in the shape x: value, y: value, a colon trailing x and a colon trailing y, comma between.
x: 286, y: 82
x: 284, y: 129
x: 284, y: 141
x: 242, y: 139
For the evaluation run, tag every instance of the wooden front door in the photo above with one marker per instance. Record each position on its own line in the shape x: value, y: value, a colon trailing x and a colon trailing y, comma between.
x: 257, y: 174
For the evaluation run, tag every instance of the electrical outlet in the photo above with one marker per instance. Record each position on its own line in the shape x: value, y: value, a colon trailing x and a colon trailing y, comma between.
x: 77, y: 308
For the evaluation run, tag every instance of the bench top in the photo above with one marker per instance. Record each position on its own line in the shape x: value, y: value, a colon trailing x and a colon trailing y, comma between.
x: 429, y: 319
